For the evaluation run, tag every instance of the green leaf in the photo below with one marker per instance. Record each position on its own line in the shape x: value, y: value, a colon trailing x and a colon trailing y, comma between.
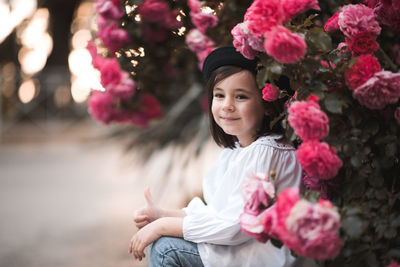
x: 356, y: 160
x: 318, y: 40
x: 395, y: 222
x: 375, y: 180
x: 394, y: 253
x: 261, y: 77
x: 390, y: 233
x: 352, y: 226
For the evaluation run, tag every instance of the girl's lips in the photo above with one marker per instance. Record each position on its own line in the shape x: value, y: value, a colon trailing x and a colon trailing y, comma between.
x: 229, y: 118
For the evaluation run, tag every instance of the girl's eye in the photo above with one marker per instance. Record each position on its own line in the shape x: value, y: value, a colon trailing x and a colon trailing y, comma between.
x: 241, y: 96
x: 218, y: 95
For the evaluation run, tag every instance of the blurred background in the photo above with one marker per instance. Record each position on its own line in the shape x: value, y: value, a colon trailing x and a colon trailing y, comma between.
x: 67, y: 188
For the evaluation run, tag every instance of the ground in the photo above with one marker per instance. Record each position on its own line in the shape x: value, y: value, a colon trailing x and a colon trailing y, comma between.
x: 67, y: 195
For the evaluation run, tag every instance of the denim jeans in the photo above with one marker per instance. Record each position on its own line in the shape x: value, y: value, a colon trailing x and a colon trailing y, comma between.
x: 174, y: 251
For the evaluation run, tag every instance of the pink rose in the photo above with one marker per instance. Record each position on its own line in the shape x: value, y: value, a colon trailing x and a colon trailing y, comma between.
x: 113, y: 37
x: 362, y: 43
x: 393, y: 264
x: 197, y: 41
x: 171, y: 22
x: 358, y: 18
x: 325, y: 187
x: 270, y: 93
x: 101, y: 106
x: 263, y: 15
x: 245, y: 42
x: 388, y: 13
x: 251, y: 224
x: 269, y: 219
x: 124, y: 89
x: 284, y: 46
x: 284, y: 203
x: 381, y: 89
x: 258, y: 192
x: 294, y: 7
x: 109, y: 10
x: 110, y: 72
x: 195, y: 6
x: 154, y: 10
x: 308, y: 120
x: 313, y: 230
x: 364, y: 68
x: 318, y: 159
x: 97, y: 60
x: 201, y: 55
x: 150, y: 107
x: 332, y: 23
x: 397, y: 115
x: 203, y: 21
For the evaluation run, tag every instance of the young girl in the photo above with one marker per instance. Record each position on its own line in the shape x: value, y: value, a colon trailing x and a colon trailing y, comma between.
x: 208, y: 234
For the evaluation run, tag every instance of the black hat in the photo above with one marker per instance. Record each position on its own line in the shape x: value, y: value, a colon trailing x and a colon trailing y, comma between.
x: 227, y: 55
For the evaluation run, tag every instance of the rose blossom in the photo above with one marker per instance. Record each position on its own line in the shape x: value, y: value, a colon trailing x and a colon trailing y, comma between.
x: 397, y: 115
x: 388, y: 13
x: 171, y: 22
x: 325, y: 187
x: 257, y: 192
x: 109, y: 10
x: 318, y: 159
x: 150, y: 107
x: 284, y: 203
x: 194, y: 5
x: 110, y: 72
x: 154, y: 10
x: 97, y: 60
x: 270, y: 93
x: 308, y: 120
x: 362, y: 43
x: 203, y: 21
x: 245, y: 42
x: 284, y: 46
x: 294, y: 7
x: 361, y: 71
x: 263, y: 15
x: 101, y: 106
x: 197, y: 41
x: 124, y: 89
x: 251, y: 224
x: 380, y: 90
x: 314, y: 228
x: 201, y: 56
x: 113, y: 37
x: 358, y: 18
x: 393, y: 264
x: 332, y: 23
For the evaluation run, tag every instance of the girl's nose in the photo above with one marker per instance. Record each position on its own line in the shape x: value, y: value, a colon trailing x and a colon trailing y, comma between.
x: 228, y: 104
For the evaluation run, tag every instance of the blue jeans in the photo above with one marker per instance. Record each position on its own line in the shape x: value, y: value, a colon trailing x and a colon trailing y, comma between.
x: 173, y: 251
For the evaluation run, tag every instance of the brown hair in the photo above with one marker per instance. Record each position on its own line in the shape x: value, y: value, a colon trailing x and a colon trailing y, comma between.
x: 273, y: 109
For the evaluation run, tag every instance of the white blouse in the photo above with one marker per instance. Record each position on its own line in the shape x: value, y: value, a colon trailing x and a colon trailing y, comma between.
x: 215, y: 225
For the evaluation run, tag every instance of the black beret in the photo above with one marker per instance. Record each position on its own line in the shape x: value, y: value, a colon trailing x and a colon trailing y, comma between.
x: 227, y: 55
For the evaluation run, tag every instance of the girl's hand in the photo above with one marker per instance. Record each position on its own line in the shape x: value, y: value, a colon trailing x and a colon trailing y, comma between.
x: 142, y: 239
x: 147, y: 214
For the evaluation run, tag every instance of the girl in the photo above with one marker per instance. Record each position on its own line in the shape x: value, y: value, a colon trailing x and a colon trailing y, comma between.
x: 208, y: 234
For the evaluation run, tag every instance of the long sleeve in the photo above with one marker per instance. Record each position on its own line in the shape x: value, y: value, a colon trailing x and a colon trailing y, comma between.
x: 217, y: 222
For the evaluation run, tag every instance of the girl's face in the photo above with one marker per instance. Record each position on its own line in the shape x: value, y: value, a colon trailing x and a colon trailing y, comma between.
x: 237, y: 106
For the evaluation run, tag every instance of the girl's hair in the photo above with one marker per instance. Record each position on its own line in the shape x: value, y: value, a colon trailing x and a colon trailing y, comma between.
x: 273, y: 109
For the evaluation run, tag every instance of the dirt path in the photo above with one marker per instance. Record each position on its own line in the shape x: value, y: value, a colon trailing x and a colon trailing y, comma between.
x: 68, y: 200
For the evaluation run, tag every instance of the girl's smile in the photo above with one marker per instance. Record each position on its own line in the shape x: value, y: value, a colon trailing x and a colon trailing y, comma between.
x: 237, y: 106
